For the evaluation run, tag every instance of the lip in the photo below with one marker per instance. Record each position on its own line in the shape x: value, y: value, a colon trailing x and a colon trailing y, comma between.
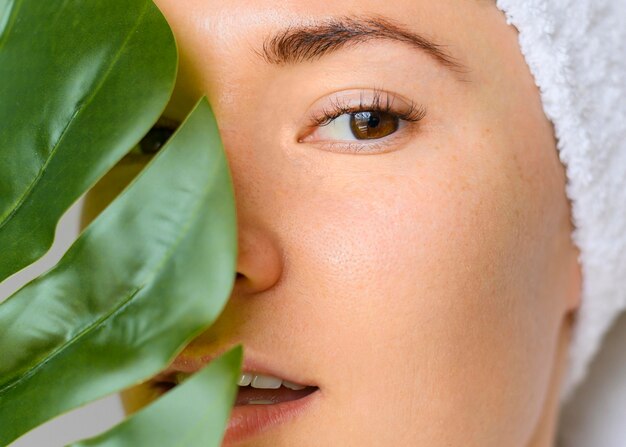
x: 190, y: 364
x: 246, y: 421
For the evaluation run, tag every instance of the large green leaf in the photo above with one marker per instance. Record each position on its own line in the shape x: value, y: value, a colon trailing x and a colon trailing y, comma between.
x: 196, y: 411
x: 80, y: 83
x: 151, y: 272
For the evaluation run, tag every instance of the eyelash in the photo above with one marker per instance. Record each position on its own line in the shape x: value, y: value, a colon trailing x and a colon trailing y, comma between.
x: 337, y: 108
x: 414, y: 114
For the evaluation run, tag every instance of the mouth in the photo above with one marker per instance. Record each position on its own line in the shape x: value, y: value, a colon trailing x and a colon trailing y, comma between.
x: 260, y: 389
x: 263, y: 401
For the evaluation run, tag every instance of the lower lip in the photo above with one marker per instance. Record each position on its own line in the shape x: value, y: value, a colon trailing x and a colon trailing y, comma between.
x: 247, y: 421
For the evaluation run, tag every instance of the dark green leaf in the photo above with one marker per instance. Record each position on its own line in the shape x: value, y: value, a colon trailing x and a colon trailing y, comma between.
x: 150, y: 273
x: 80, y: 83
x: 195, y: 413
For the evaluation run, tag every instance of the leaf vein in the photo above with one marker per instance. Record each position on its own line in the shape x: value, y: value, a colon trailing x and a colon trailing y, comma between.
x: 97, y: 323
x: 18, y: 204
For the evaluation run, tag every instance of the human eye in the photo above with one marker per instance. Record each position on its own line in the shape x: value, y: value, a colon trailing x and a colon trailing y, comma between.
x: 373, y: 122
x: 156, y: 138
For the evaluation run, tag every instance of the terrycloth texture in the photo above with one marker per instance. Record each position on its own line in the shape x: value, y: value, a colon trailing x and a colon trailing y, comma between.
x: 576, y: 50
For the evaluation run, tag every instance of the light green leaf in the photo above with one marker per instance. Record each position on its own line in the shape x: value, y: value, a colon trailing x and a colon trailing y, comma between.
x: 195, y: 412
x: 150, y: 273
x: 80, y: 83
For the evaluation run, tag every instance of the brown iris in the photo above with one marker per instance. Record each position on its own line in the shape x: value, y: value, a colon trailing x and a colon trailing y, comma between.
x: 372, y: 124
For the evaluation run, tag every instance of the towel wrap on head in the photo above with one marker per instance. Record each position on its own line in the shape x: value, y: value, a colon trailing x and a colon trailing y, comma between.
x: 576, y: 51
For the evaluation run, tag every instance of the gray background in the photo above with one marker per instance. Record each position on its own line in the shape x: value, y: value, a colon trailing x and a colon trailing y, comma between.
x: 596, y: 416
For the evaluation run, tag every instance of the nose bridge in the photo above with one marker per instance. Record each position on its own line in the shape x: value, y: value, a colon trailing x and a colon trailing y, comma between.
x: 215, y: 68
x: 259, y: 257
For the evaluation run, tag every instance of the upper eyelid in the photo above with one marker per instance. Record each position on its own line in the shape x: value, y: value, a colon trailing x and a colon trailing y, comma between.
x: 339, y: 109
x: 376, y: 97
x: 410, y: 111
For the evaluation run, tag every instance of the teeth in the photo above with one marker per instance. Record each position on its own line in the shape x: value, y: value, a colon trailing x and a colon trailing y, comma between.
x: 293, y: 386
x: 255, y: 380
x: 245, y: 379
x: 267, y: 382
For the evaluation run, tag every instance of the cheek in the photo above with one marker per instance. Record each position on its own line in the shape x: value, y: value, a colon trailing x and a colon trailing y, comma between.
x: 427, y: 279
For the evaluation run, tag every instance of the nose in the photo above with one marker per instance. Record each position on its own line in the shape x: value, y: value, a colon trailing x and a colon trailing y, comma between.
x: 259, y: 261
x: 260, y: 254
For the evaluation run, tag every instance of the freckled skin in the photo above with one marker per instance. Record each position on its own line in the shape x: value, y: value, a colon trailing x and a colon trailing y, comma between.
x: 429, y: 289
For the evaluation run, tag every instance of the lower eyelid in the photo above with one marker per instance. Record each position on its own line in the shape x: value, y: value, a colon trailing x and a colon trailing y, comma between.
x: 389, y: 143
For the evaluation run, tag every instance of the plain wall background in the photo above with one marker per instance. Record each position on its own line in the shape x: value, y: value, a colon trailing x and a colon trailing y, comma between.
x: 596, y: 417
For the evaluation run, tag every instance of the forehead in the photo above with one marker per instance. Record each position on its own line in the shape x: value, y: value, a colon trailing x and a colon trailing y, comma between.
x: 220, y: 41
x: 234, y: 24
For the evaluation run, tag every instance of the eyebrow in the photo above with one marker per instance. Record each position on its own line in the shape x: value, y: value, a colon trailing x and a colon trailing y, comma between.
x: 300, y: 43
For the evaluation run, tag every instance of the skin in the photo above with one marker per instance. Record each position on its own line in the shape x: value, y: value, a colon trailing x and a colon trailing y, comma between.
x: 430, y: 288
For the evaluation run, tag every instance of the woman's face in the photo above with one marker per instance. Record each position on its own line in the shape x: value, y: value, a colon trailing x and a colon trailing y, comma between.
x: 413, y: 262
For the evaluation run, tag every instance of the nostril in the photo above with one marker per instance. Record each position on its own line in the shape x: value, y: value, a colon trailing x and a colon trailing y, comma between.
x: 259, y: 258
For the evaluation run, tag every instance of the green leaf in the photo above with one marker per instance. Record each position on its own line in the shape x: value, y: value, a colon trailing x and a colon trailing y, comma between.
x: 148, y: 275
x: 195, y: 412
x: 80, y: 83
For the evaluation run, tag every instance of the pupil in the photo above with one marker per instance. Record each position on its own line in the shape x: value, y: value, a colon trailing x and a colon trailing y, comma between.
x: 374, y: 120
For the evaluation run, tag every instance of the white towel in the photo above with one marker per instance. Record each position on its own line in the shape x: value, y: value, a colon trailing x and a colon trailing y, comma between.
x: 576, y: 50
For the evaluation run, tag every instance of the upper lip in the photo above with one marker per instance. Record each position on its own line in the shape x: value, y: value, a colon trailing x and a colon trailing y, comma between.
x: 186, y: 363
